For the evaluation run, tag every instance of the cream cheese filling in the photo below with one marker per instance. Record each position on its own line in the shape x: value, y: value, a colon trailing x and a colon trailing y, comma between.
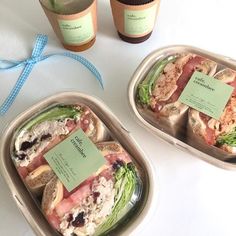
x: 95, y: 211
x: 54, y: 128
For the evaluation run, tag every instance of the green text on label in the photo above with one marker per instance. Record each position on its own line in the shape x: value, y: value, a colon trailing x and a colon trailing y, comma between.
x: 138, y: 22
x: 206, y: 94
x: 75, y: 159
x: 77, y: 31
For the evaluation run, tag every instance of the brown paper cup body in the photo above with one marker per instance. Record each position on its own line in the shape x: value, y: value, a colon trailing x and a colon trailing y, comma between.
x: 134, y: 21
x: 63, y: 25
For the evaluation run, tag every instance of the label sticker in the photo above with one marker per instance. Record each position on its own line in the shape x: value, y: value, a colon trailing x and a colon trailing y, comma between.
x: 75, y: 159
x: 206, y: 94
x: 139, y: 22
x: 77, y: 31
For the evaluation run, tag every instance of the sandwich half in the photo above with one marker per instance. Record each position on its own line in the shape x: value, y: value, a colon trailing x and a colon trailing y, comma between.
x: 219, y: 133
x: 97, y: 204
x: 158, y: 93
x: 46, y: 130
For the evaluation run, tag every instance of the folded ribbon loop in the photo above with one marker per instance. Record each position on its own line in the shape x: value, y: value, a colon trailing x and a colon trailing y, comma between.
x: 41, y: 42
x: 32, y: 60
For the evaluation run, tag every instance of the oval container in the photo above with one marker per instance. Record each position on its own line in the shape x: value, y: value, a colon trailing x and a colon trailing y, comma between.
x: 167, y: 130
x: 24, y: 199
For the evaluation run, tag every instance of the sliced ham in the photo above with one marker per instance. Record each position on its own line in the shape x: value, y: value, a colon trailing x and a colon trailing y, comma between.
x: 71, y: 124
x: 23, y: 171
x: 233, y: 84
x: 112, y: 158
x: 182, y: 81
x: 54, y: 220
x: 37, y: 161
x: 188, y: 70
x: 75, y: 197
x: 205, y: 118
x: 64, y: 206
x: 40, y: 160
x: 85, y: 120
x: 210, y: 137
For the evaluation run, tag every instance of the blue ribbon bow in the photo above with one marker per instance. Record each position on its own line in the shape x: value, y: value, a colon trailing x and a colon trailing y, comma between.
x: 28, y: 64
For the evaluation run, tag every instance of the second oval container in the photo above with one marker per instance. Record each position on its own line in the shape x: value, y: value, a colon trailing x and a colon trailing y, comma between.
x: 187, y: 96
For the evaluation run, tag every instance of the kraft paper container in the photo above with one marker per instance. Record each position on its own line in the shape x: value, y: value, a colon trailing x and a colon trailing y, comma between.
x: 134, y: 20
x: 177, y: 131
x: 21, y: 195
x: 76, y: 31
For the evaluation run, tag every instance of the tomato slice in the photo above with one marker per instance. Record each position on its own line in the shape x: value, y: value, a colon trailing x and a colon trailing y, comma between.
x: 182, y: 81
x: 188, y: 70
x: 210, y: 136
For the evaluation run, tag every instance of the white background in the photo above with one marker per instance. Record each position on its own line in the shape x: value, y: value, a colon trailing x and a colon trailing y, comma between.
x: 195, y: 198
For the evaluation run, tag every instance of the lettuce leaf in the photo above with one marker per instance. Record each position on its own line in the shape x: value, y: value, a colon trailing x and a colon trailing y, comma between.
x: 229, y: 139
x: 55, y: 113
x: 146, y: 87
x: 126, y: 181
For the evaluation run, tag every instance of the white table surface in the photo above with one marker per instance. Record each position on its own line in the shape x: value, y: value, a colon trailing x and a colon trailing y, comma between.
x: 195, y: 198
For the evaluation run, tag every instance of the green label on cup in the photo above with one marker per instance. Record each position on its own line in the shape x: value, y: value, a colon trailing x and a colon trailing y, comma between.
x: 139, y: 22
x: 206, y: 94
x: 75, y: 159
x: 77, y: 31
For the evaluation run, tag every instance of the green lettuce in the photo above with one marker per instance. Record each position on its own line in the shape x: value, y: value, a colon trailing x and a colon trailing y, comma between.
x: 126, y: 182
x: 59, y: 112
x: 229, y: 139
x: 146, y: 87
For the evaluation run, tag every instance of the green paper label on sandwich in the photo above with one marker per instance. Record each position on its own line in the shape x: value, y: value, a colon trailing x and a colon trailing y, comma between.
x: 206, y: 94
x: 75, y: 159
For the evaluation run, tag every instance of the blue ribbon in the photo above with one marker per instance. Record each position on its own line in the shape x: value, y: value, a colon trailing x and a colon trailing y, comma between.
x: 29, y: 63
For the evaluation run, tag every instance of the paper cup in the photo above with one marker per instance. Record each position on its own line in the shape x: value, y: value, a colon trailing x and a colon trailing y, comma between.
x: 134, y: 22
x: 76, y: 30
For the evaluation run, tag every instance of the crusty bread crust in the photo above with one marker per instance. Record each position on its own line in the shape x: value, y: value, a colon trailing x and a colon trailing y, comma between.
x: 53, y: 193
x: 38, y: 178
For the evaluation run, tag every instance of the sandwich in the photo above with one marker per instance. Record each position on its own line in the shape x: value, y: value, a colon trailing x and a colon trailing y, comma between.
x: 98, y: 203
x: 38, y: 178
x: 43, y: 132
x: 219, y: 133
x: 158, y: 93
